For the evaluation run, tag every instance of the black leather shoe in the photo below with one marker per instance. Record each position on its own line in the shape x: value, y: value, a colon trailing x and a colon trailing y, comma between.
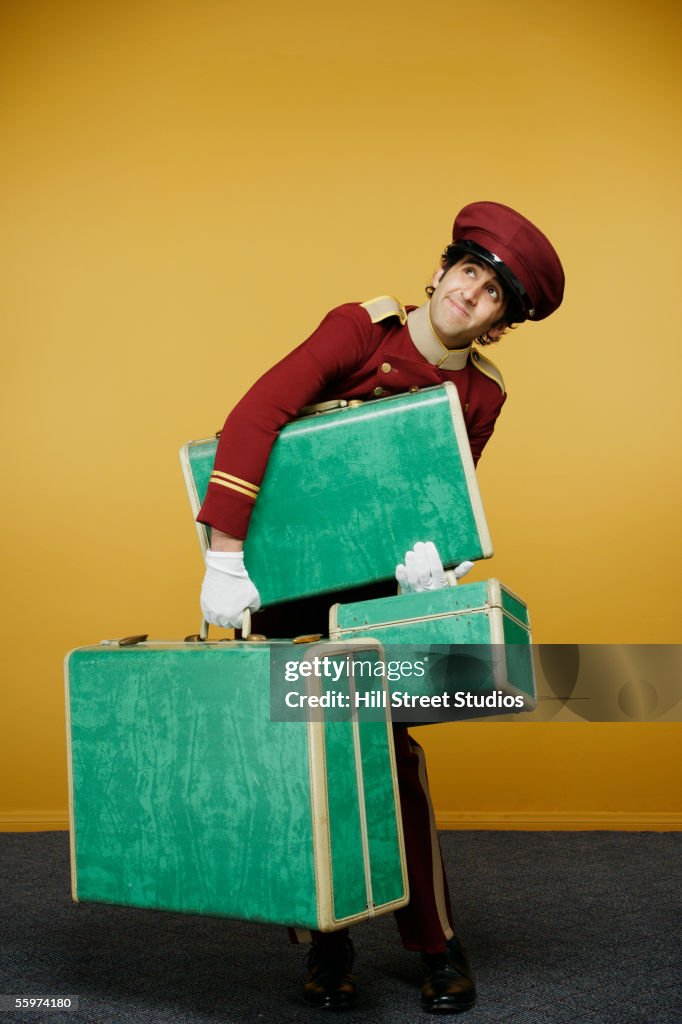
x: 330, y: 984
x: 449, y: 985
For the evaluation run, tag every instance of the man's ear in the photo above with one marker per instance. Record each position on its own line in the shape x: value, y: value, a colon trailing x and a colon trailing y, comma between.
x: 437, y: 276
x: 496, y: 332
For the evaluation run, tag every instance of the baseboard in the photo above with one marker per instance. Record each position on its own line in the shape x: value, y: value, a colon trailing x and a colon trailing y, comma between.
x: 34, y: 821
x: 560, y: 821
x: 523, y: 821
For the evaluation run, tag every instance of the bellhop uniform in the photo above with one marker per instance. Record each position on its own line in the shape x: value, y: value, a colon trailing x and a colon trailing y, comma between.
x: 359, y: 351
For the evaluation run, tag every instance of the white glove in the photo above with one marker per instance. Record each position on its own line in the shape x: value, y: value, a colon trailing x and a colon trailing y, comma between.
x: 423, y: 570
x: 227, y: 589
x: 460, y: 570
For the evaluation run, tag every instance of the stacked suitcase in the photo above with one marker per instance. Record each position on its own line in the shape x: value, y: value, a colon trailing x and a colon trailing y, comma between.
x: 475, y: 639
x: 189, y: 795
x: 190, y: 790
x: 348, y: 491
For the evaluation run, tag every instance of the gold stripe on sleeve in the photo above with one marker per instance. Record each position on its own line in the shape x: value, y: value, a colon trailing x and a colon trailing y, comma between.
x: 233, y: 487
x: 236, y: 480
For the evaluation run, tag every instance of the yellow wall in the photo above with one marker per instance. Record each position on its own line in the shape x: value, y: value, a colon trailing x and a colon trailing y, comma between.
x: 186, y: 187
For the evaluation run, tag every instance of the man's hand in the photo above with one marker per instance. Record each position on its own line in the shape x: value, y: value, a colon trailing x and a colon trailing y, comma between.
x: 227, y: 589
x: 423, y: 570
x: 460, y: 570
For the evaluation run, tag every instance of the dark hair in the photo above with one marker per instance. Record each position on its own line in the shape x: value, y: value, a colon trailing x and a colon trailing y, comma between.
x: 452, y: 254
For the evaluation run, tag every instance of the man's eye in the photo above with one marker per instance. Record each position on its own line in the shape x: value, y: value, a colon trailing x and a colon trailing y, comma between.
x: 469, y: 270
x: 492, y: 291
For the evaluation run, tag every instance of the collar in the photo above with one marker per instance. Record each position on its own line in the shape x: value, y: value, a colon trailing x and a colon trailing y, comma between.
x: 429, y: 346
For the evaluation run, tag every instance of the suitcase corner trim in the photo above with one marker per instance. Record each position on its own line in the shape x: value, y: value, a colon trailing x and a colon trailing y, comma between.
x: 319, y: 801
x: 469, y: 469
x: 192, y: 493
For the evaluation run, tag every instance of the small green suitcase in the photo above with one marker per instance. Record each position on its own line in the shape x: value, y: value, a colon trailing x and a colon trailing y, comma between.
x: 346, y: 493
x: 474, y: 638
x: 187, y: 793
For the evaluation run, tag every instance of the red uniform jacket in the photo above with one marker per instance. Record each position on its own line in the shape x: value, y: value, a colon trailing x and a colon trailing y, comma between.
x: 348, y: 356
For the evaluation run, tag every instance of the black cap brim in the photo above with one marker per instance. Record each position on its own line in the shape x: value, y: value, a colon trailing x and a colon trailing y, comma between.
x: 518, y: 298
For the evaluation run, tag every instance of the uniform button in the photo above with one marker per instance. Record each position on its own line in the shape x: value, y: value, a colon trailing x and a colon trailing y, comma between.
x: 386, y: 367
x: 413, y: 388
x: 378, y: 391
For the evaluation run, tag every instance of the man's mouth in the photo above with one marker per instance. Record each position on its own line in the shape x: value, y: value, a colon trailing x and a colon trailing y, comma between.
x: 458, y: 307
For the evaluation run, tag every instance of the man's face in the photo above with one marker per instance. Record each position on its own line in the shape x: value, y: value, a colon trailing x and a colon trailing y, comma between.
x: 467, y: 301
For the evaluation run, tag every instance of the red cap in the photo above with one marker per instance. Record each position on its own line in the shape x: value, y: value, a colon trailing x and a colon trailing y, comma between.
x: 518, y: 251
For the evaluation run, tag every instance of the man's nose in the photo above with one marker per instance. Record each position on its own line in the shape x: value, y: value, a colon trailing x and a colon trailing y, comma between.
x: 470, y: 292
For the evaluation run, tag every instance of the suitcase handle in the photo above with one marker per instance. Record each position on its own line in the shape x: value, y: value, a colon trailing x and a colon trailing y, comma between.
x: 318, y: 408
x: 245, y: 629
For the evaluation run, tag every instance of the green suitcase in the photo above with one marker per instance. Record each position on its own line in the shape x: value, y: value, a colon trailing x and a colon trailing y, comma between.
x: 187, y: 793
x: 474, y: 640
x: 347, y: 492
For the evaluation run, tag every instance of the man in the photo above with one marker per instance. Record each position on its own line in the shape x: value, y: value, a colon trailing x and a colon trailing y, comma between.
x: 499, y: 270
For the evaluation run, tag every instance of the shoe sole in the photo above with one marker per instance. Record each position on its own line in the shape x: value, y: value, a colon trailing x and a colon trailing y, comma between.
x: 449, y: 1008
x: 331, y: 1007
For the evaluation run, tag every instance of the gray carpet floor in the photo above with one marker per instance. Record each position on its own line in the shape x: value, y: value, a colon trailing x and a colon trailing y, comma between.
x: 561, y: 927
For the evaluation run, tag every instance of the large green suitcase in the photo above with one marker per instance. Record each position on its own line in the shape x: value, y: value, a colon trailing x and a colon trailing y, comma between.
x: 474, y: 640
x: 346, y: 493
x: 187, y: 793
